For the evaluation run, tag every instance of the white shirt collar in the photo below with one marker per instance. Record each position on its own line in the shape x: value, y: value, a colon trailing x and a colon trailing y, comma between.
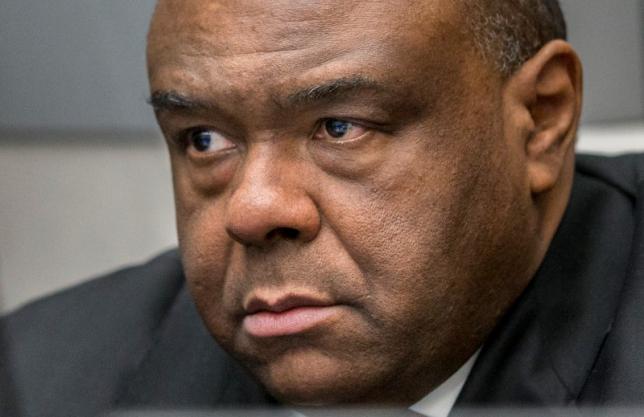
x: 440, y: 401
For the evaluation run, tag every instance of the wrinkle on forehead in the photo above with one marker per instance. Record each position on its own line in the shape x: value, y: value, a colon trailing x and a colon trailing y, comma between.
x: 254, y: 26
x: 236, y: 27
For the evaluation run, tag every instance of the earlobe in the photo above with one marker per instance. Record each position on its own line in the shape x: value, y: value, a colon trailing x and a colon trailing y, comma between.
x: 549, y: 86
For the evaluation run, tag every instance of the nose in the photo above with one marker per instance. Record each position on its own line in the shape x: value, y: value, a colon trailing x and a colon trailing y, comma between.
x: 270, y: 203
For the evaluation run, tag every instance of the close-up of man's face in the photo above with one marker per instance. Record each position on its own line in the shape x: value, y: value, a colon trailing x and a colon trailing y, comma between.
x: 356, y: 200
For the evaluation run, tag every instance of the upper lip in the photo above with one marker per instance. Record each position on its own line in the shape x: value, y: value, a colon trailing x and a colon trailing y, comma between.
x: 283, y: 303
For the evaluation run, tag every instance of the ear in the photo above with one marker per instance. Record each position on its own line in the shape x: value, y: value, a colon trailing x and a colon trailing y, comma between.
x: 543, y: 102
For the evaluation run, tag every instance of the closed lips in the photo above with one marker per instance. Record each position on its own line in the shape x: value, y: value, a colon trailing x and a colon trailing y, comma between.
x: 287, y: 316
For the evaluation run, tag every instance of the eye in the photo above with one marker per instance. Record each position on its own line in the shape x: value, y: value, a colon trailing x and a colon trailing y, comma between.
x: 208, y: 141
x: 339, y: 130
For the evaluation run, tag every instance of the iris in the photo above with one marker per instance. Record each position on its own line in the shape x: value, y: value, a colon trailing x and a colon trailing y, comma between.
x: 201, y: 140
x: 337, y: 128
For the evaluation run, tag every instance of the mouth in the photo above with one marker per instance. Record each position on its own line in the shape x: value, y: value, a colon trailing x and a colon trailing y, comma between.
x: 286, y: 315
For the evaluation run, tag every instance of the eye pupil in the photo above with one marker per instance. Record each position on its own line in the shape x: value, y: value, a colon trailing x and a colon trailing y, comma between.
x: 337, y: 128
x: 201, y: 141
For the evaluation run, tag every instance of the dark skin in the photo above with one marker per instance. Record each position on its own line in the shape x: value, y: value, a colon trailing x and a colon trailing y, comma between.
x: 363, y: 153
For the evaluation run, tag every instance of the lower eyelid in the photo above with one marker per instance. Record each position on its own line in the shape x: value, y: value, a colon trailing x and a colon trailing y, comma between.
x: 356, y: 131
x: 208, y: 158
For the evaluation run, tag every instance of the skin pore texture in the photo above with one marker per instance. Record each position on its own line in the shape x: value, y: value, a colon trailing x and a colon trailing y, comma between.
x: 417, y: 224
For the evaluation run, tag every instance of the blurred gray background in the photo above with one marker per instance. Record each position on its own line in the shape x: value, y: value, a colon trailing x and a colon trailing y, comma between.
x: 84, y: 179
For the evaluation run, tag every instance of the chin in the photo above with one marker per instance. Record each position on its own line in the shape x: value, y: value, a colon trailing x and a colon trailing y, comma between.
x: 312, y: 379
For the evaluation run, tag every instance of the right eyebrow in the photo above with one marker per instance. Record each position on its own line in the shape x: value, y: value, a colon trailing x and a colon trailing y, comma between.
x: 173, y: 101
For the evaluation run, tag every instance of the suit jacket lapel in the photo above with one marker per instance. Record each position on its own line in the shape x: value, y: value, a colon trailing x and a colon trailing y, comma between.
x: 545, y: 348
x: 618, y: 375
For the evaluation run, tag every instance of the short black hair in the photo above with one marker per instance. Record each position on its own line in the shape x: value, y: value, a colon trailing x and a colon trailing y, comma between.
x: 510, y: 32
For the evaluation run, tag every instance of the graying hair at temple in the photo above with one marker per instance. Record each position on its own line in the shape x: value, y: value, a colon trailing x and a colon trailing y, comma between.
x: 510, y: 32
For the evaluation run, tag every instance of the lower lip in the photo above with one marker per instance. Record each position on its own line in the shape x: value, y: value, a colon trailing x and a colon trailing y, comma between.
x: 290, y: 322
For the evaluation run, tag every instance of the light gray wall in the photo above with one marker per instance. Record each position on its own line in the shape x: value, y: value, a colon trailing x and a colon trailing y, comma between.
x: 74, y: 207
x: 609, y: 37
x: 74, y: 65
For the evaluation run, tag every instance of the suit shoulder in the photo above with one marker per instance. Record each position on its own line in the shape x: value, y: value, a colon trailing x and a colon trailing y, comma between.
x: 90, y: 335
x: 624, y: 172
x: 138, y: 289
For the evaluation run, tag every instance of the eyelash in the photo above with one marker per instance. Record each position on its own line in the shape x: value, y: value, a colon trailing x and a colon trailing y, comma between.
x: 182, y: 138
x: 322, y: 126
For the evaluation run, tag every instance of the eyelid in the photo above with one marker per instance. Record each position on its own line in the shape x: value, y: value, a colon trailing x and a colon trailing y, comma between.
x: 383, y: 126
x: 183, y: 136
x: 188, y: 146
x: 320, y: 125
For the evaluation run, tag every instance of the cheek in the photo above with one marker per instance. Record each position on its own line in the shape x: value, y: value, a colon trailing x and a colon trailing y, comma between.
x: 205, y: 250
x: 404, y: 216
x: 200, y: 214
x: 421, y: 229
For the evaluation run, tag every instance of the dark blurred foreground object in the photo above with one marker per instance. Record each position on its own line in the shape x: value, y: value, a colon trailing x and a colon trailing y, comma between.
x: 133, y: 339
x: 384, y: 412
x: 328, y: 412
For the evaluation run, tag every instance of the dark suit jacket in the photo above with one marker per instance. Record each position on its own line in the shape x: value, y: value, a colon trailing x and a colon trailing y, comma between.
x: 133, y: 338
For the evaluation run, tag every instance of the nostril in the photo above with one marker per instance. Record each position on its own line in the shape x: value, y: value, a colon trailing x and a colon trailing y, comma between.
x: 283, y: 232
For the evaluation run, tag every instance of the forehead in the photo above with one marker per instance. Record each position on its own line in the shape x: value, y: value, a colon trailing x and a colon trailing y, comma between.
x: 253, y: 43
x: 259, y: 25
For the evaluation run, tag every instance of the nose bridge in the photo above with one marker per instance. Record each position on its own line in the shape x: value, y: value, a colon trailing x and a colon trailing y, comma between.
x: 270, y: 200
x: 261, y: 177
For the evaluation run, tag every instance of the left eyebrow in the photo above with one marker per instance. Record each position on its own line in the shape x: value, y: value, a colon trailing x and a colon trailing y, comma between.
x: 330, y: 90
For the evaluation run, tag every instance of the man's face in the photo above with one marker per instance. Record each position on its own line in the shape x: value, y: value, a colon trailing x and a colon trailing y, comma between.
x: 353, y: 215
